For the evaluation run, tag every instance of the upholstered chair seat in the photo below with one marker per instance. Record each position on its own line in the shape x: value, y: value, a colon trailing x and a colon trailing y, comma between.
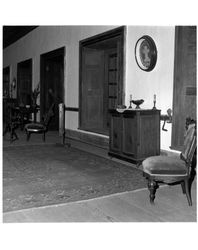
x: 35, y: 127
x: 164, y: 165
x: 172, y: 169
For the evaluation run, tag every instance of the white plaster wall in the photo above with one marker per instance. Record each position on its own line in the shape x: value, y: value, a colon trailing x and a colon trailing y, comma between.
x: 137, y: 82
x: 143, y: 85
x: 47, y: 38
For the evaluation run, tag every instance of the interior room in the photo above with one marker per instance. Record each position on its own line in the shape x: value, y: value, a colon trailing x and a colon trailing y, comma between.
x: 99, y: 123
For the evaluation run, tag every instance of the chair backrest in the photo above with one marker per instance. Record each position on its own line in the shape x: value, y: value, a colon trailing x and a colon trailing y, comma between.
x: 49, y: 115
x: 190, y: 143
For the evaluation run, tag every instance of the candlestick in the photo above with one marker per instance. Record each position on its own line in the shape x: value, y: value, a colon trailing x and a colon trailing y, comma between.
x: 13, y: 86
x: 130, y: 101
x: 154, y: 101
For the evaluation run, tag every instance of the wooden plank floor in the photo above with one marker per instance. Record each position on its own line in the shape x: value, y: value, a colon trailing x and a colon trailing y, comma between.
x: 170, y: 206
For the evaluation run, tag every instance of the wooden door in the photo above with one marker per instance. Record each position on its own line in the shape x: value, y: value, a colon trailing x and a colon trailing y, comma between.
x: 111, y: 94
x: 101, y: 79
x: 24, y: 82
x: 92, y: 90
x: 184, y: 95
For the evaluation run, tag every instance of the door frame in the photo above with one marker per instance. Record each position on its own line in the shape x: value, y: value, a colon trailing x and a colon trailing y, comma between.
x: 43, y: 57
x: 120, y: 31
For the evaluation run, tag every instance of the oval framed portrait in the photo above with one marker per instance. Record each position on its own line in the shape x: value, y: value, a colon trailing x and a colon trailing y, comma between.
x: 146, y: 53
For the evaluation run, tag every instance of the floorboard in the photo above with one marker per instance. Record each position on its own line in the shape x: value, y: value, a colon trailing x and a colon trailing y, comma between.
x: 170, y: 203
x: 133, y: 206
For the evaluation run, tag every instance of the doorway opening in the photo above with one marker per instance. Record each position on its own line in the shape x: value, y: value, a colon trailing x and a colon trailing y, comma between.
x: 101, y: 79
x: 52, y: 83
x: 6, y: 82
x: 6, y: 92
x: 24, y: 82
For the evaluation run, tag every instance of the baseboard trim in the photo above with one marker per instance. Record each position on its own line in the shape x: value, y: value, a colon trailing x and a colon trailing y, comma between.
x: 96, y: 140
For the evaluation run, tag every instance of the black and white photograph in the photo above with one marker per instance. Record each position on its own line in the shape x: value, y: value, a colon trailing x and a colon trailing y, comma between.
x: 99, y: 125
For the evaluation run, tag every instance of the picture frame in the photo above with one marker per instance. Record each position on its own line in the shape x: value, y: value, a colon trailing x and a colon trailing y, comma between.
x: 146, y: 53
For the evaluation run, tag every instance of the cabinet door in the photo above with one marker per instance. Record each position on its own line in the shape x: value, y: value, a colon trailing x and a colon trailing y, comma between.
x: 129, y: 135
x: 116, y: 133
x: 148, y: 135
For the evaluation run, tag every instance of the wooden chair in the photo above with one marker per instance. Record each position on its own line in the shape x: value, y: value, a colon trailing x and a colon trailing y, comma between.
x: 40, y: 127
x: 172, y: 169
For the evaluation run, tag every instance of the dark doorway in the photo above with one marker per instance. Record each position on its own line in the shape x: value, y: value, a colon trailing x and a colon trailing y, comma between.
x: 185, y: 90
x: 6, y: 82
x: 6, y: 92
x: 24, y: 82
x: 52, y: 83
x: 101, y: 79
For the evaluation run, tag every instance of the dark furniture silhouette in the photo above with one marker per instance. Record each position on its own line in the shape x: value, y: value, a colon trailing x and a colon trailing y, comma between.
x: 173, y: 169
x: 11, y: 119
x: 25, y: 114
x: 134, y: 134
x: 40, y: 127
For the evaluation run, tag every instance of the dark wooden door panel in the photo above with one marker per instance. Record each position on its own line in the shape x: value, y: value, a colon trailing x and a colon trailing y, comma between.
x: 111, y: 84
x: 184, y: 93
x: 92, y: 83
x: 101, y: 79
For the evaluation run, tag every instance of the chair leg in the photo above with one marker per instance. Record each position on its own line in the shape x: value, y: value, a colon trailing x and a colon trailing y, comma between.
x: 183, y: 187
x: 187, y: 189
x: 13, y: 134
x: 16, y: 137
x: 152, y: 186
x: 28, y: 136
x: 43, y: 137
x: 7, y: 129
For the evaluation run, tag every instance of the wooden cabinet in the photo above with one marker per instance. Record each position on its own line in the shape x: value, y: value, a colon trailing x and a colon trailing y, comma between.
x: 134, y: 134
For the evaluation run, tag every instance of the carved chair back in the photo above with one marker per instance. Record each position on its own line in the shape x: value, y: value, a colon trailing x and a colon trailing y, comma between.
x: 49, y: 115
x: 190, y: 144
